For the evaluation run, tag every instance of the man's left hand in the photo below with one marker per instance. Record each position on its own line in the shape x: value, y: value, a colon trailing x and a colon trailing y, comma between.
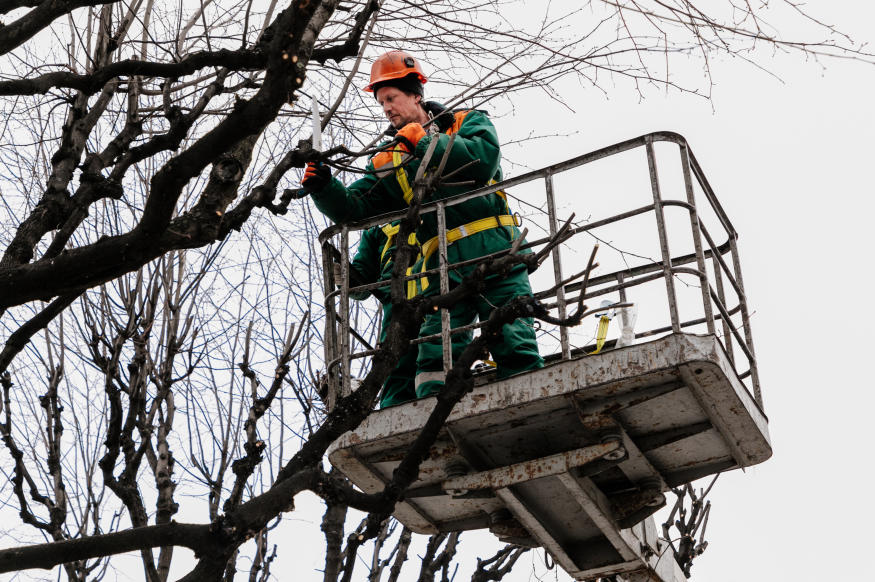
x: 409, y: 136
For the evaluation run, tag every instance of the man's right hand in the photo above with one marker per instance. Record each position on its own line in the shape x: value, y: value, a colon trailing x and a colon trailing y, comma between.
x: 316, y: 177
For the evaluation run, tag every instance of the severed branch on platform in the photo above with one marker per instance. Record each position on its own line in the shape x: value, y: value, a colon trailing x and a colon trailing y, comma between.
x: 581, y: 312
x: 690, y: 524
x: 496, y: 567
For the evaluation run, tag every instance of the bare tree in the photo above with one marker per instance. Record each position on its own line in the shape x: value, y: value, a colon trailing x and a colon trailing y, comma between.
x: 159, y: 308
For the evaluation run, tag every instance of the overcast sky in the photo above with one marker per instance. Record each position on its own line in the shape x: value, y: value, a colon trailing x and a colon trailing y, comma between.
x: 791, y: 161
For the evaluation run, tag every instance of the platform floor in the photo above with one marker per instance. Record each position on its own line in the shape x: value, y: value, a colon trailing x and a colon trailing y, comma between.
x: 519, y: 452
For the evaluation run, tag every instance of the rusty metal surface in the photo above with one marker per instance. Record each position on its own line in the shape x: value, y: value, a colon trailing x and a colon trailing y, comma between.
x: 675, y: 404
x: 531, y: 470
x: 663, y: 237
x: 556, y: 256
x: 597, y: 380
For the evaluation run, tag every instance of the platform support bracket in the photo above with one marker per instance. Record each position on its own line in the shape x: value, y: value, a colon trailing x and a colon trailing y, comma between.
x: 535, y: 469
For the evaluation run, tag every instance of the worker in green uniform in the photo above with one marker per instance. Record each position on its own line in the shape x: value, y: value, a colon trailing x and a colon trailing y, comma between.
x: 373, y: 262
x: 476, y: 227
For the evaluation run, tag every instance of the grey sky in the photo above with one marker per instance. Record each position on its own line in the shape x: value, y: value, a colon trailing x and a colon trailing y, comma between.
x: 789, y: 159
x: 791, y: 162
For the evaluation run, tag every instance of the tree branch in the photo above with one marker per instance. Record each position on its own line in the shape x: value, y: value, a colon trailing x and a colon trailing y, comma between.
x: 21, y: 337
x: 234, y: 60
x: 15, y: 33
x: 47, y: 556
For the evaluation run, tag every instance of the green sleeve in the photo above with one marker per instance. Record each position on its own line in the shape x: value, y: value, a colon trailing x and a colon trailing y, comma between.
x: 365, y: 267
x: 475, y: 140
x: 364, y: 198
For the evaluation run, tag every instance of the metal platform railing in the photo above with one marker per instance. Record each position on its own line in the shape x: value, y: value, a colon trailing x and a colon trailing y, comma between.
x: 713, y: 266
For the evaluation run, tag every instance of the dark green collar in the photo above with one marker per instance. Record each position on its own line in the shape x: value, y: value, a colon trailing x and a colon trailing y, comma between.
x: 443, y: 117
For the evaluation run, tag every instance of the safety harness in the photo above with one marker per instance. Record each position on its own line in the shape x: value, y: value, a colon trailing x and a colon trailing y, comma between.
x: 401, y: 176
x: 391, y: 231
x: 458, y: 233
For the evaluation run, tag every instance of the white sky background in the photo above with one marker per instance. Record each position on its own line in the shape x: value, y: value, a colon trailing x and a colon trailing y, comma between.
x: 790, y: 160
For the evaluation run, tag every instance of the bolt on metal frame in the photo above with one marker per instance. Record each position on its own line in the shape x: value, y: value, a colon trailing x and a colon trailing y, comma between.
x: 338, y: 351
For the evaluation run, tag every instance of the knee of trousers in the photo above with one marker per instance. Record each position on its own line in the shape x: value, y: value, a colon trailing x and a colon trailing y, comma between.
x: 428, y: 383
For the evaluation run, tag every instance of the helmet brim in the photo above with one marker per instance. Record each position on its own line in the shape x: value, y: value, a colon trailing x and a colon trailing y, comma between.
x: 392, y: 76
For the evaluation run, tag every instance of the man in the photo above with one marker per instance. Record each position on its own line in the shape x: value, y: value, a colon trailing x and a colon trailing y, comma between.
x: 475, y: 228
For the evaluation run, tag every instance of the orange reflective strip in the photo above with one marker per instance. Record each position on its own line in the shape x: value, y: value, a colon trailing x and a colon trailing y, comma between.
x: 457, y: 124
x: 382, y: 159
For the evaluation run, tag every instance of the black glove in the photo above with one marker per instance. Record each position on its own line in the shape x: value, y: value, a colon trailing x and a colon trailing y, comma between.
x: 316, y: 177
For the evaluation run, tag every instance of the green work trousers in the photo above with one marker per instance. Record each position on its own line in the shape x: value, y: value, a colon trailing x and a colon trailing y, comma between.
x: 516, y: 351
x: 398, y: 387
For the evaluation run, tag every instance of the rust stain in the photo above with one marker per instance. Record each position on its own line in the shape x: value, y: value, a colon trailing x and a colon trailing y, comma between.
x: 442, y: 450
x: 706, y: 461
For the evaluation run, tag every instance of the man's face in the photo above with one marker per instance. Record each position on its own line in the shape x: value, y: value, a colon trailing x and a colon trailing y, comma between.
x: 400, y: 108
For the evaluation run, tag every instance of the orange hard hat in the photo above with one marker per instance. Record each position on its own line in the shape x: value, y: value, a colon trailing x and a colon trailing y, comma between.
x: 394, y: 65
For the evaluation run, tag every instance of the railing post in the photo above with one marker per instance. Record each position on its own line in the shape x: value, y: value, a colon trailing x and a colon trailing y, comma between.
x: 446, y: 341
x: 745, y: 320
x: 557, y: 265
x: 721, y: 294
x: 330, y: 345
x: 668, y: 274
x: 346, y: 373
x: 697, y: 239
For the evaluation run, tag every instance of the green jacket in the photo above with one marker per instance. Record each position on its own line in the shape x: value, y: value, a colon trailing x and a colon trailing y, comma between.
x: 375, y: 194
x: 373, y: 261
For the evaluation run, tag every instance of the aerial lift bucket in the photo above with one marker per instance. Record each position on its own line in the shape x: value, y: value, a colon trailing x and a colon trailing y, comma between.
x: 577, y: 456
x: 572, y: 456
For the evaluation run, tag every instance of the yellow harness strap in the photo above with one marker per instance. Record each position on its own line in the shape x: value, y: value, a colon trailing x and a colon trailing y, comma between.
x: 401, y: 176
x: 390, y: 231
x: 457, y: 233
x: 460, y: 232
x: 601, y: 334
x: 503, y: 195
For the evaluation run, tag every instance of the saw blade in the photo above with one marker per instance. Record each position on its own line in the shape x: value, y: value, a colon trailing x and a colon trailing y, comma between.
x: 317, y: 127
